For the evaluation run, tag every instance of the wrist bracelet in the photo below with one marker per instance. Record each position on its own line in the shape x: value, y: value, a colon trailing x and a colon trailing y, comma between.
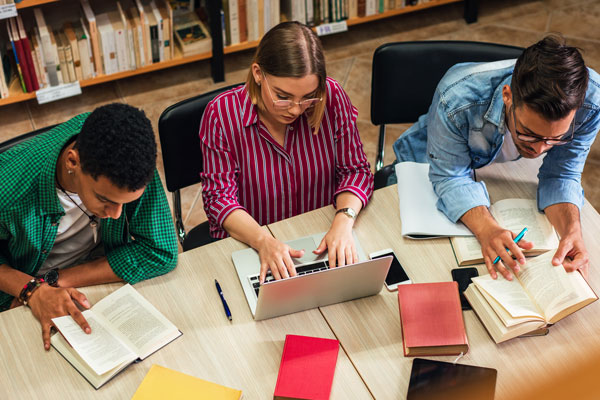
x: 29, y: 288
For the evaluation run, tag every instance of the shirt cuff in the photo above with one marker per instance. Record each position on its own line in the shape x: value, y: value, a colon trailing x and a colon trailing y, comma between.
x: 457, y: 201
x: 358, y: 192
x: 554, y: 191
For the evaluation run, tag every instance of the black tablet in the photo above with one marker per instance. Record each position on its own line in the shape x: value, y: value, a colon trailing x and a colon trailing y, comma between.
x: 433, y: 380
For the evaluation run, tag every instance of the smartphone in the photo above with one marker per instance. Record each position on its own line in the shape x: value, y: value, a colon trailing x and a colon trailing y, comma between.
x: 463, y: 277
x: 396, y: 275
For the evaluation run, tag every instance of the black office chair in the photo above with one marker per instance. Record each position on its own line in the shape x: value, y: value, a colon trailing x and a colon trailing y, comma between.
x: 405, y: 75
x: 21, y: 138
x: 178, y: 128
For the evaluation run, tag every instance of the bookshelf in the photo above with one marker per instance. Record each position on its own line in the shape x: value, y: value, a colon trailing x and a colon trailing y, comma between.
x: 216, y: 57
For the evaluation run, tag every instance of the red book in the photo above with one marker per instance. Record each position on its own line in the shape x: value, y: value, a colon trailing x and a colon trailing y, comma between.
x: 27, y: 53
x: 432, y: 320
x: 20, y: 55
x: 307, y: 368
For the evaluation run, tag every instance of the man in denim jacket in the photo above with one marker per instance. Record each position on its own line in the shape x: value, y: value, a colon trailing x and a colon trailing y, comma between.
x: 546, y: 102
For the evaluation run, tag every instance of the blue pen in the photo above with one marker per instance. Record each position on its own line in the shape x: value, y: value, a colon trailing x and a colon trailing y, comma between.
x: 225, y: 306
x: 516, y: 240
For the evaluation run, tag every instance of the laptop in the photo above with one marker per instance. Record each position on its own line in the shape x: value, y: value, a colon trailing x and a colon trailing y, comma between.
x: 315, y: 285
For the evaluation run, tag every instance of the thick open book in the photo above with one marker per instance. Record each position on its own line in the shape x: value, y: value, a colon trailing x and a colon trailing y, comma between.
x: 514, y: 215
x: 540, y: 294
x: 125, y: 328
x: 419, y: 214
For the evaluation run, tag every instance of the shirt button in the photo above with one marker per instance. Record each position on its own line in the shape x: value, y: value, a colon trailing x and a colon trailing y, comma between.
x: 53, y: 224
x: 44, y: 251
x: 291, y: 128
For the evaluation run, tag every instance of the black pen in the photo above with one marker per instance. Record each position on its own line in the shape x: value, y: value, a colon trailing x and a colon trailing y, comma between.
x: 225, y: 306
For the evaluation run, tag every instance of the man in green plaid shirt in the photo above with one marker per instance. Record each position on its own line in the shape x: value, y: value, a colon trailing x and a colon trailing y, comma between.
x: 89, y: 184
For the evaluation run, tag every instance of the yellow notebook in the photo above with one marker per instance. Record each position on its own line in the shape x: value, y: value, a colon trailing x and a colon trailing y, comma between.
x: 164, y: 383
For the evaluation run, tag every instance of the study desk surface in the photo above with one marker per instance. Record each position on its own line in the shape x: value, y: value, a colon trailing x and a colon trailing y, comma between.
x: 369, y: 328
x: 242, y: 354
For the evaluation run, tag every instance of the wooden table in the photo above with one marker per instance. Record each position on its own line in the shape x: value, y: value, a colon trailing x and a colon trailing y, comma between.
x: 242, y: 354
x: 369, y: 328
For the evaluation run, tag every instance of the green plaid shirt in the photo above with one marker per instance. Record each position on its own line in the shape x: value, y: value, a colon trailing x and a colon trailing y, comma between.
x: 139, y: 245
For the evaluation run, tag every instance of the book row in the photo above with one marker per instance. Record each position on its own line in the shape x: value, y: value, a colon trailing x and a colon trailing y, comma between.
x: 66, y: 44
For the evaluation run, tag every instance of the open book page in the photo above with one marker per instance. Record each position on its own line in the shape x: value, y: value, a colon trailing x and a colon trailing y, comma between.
x: 516, y: 214
x: 510, y: 294
x: 136, y: 320
x: 61, y: 345
x: 507, y: 319
x: 551, y: 287
x: 418, y: 205
x: 100, y: 349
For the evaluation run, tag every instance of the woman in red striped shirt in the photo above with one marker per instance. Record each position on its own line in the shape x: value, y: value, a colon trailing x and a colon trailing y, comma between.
x: 283, y: 144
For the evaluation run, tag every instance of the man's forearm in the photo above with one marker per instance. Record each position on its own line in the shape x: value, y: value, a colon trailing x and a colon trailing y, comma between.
x: 565, y: 218
x: 87, y: 274
x: 12, y: 280
x: 477, y: 219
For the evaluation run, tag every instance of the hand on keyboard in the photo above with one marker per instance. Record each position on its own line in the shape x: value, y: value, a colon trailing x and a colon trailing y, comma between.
x: 277, y: 257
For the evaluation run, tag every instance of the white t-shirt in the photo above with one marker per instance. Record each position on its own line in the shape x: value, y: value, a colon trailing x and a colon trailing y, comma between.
x: 74, y: 238
x: 509, y: 151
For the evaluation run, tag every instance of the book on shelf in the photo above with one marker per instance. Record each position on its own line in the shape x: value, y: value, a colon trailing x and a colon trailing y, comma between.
x: 539, y: 295
x: 48, y: 56
x: 307, y: 368
x: 69, y: 32
x: 125, y: 328
x: 18, y: 56
x: 514, y: 215
x: 121, y: 39
x: 26, y: 46
x: 108, y: 49
x: 191, y: 34
x: 141, y: 13
x: 161, y: 29
x: 3, y: 81
x: 164, y: 383
x: 432, y: 320
x: 91, y: 27
x: 152, y: 28
x: 133, y: 15
x: 233, y: 22
x: 243, y: 20
x: 85, y: 50
x: 167, y: 15
x: 65, y: 47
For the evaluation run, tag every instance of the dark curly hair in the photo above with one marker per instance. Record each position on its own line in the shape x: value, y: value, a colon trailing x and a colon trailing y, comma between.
x: 550, y: 77
x: 117, y: 141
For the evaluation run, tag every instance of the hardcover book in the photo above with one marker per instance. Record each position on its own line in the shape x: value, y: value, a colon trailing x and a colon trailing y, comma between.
x: 432, y: 320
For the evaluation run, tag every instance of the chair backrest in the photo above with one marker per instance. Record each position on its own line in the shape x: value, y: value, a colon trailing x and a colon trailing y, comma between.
x: 19, y: 139
x: 405, y: 74
x: 178, y: 128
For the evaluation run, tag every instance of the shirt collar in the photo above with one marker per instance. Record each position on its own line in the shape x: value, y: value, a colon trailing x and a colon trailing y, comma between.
x: 495, y: 113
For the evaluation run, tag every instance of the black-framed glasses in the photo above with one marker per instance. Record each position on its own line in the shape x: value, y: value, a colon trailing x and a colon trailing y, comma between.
x: 552, y: 141
x: 286, y: 104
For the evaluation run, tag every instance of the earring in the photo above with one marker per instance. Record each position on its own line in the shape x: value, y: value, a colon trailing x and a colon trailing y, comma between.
x: 70, y: 171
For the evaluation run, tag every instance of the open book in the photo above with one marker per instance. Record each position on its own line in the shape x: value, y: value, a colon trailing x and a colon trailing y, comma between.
x: 514, y: 215
x: 539, y: 295
x: 419, y: 214
x: 125, y: 328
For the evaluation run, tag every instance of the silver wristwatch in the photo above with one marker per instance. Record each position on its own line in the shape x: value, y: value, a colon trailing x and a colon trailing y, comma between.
x: 349, y: 212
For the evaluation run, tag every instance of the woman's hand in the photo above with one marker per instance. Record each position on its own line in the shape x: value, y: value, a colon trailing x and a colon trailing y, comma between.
x: 277, y: 257
x: 339, y: 242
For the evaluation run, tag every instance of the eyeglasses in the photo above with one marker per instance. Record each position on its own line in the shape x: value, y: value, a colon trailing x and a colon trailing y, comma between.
x: 552, y: 141
x: 286, y: 104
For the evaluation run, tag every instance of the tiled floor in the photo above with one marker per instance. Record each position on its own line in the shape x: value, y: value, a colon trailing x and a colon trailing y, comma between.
x: 516, y: 22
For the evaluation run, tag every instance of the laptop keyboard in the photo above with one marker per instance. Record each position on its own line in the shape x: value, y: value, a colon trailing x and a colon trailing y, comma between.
x: 300, y: 270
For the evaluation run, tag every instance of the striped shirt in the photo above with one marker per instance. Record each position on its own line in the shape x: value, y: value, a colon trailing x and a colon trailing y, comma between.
x: 245, y: 168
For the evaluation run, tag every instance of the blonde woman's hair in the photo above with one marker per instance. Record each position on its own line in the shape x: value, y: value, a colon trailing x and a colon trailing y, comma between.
x: 291, y: 50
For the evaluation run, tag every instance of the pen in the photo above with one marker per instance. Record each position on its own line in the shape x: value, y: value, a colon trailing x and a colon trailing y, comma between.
x: 225, y: 306
x: 516, y: 240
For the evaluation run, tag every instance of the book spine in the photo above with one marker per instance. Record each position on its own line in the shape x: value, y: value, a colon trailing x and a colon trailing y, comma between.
x: 27, y: 53
x: 243, y: 20
x: 154, y: 43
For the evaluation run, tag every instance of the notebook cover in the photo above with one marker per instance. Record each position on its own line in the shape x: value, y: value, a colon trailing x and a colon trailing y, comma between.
x: 164, y: 383
x: 431, y: 315
x: 307, y: 368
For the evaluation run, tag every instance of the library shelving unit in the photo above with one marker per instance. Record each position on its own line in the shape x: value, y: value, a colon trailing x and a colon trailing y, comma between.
x: 216, y: 57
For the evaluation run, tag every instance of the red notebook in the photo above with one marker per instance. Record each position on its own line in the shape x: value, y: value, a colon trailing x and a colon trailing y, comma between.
x: 307, y: 368
x: 432, y: 320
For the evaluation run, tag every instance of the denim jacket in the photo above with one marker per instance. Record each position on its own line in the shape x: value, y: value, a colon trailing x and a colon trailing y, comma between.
x: 464, y: 130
